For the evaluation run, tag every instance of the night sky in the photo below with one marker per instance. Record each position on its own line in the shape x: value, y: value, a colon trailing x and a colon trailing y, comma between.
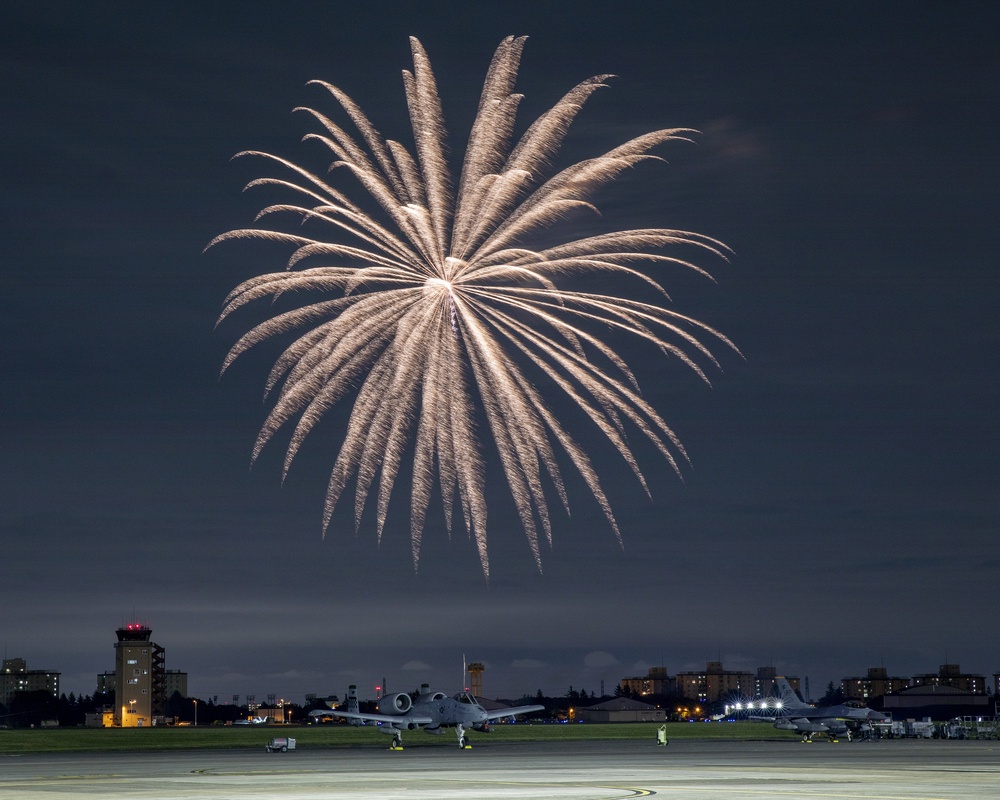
x: 841, y: 509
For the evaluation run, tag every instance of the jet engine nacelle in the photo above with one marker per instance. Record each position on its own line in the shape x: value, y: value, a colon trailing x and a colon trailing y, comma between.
x: 425, y: 693
x: 395, y: 704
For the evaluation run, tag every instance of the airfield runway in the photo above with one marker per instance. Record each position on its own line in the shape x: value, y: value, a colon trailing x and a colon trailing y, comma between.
x: 703, y: 770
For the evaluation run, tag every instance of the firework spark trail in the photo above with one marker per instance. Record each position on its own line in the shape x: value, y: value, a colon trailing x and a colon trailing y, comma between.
x: 441, y: 303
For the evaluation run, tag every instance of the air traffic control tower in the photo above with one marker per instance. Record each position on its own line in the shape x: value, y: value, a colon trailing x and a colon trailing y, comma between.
x: 139, y: 677
x: 476, y: 678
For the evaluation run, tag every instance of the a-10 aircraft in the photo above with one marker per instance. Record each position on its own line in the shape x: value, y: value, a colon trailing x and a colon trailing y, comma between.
x: 833, y: 721
x: 432, y: 711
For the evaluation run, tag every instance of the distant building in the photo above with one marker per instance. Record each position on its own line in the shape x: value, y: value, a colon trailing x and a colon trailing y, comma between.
x: 656, y: 682
x: 175, y: 681
x: 937, y: 701
x: 100, y: 719
x: 140, y: 682
x: 714, y: 683
x: 952, y: 675
x: 277, y: 714
x: 876, y: 684
x: 106, y: 683
x: 621, y: 709
x: 16, y: 677
x: 764, y: 682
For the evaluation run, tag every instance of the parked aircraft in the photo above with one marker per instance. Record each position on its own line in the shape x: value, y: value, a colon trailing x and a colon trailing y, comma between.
x: 432, y: 711
x: 833, y: 721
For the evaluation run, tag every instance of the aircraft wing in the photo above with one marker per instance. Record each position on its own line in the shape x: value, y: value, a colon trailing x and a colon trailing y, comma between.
x: 397, y: 719
x: 512, y: 712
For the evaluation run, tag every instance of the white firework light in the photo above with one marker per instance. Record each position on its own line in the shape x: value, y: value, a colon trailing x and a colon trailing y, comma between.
x: 432, y: 310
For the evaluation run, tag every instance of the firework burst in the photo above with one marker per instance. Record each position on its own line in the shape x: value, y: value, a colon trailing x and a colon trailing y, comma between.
x: 434, y: 309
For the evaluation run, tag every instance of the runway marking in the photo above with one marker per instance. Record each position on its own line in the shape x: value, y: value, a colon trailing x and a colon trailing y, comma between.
x: 265, y: 771
x: 443, y: 786
x: 771, y: 792
x: 459, y: 784
x: 88, y: 777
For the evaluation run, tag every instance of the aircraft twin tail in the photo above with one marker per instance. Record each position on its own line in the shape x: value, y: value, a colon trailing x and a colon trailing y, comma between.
x: 832, y: 721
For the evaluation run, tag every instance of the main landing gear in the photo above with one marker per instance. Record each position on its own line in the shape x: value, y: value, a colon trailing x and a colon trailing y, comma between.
x: 807, y: 738
x: 463, y: 740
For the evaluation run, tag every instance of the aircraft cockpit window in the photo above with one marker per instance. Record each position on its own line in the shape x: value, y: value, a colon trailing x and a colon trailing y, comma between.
x: 465, y: 697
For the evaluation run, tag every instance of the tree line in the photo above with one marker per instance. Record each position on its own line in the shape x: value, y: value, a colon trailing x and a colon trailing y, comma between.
x: 31, y: 709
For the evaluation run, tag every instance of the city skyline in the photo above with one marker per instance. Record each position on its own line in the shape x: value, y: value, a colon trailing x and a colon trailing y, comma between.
x: 843, y: 499
x: 599, y: 662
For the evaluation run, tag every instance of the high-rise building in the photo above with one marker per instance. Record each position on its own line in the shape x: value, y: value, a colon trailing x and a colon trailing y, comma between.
x: 714, y: 683
x: 764, y: 684
x: 877, y: 684
x: 16, y: 677
x: 952, y: 675
x: 657, y: 682
x: 175, y: 681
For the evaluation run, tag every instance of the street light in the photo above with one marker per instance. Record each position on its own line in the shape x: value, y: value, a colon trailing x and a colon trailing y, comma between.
x: 195, y: 713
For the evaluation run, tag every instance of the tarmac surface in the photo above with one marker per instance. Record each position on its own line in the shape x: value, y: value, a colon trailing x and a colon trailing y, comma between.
x: 704, y: 770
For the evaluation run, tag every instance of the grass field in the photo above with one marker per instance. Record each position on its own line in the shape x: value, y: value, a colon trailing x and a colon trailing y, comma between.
x: 314, y: 736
